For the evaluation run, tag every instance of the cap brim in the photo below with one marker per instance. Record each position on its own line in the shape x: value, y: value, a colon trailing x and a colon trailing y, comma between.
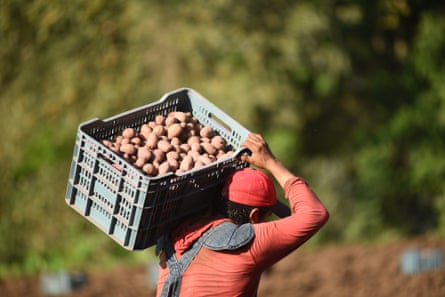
x: 281, y: 210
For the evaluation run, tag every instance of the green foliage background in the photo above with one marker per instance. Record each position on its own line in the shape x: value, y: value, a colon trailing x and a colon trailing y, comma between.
x: 349, y: 94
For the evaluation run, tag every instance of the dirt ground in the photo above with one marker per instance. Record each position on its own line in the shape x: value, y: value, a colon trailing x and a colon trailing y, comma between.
x: 340, y: 271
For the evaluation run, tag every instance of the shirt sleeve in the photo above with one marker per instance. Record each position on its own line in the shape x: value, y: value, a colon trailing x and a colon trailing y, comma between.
x: 276, y: 239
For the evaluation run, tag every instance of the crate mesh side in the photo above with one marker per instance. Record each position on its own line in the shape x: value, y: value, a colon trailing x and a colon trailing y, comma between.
x: 101, y: 216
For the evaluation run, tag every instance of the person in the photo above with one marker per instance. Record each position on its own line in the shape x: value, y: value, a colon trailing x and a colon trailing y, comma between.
x: 226, y: 255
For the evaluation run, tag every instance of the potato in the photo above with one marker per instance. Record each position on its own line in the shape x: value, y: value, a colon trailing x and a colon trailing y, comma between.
x: 127, y: 148
x: 145, y: 131
x: 207, y: 132
x: 144, y: 154
x: 195, y: 147
x: 174, y: 164
x: 175, y: 141
x: 107, y: 143
x: 137, y: 141
x: 170, y: 120
x: 160, y: 120
x: 159, y: 130
x: 149, y: 169
x: 165, y: 146
x: 158, y: 156
x: 181, y: 116
x: 125, y: 141
x: 152, y: 141
x: 210, y: 149
x: 194, y: 154
x: 218, y: 142
x: 191, y: 130
x: 139, y: 163
x: 129, y: 133
x: 204, y: 159
x: 193, y: 139
x: 186, y: 163
x: 185, y: 147
x: 220, y: 154
x: 172, y: 155
x: 174, y: 130
x: 198, y: 164
x: 152, y: 124
x: 130, y: 158
x: 119, y: 139
x: 164, y: 168
x: 145, y: 128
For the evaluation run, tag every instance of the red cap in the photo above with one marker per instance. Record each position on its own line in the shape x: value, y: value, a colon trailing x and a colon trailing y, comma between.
x: 253, y: 187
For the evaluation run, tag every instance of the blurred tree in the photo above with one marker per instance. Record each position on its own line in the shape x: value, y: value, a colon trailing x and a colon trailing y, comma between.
x: 349, y: 92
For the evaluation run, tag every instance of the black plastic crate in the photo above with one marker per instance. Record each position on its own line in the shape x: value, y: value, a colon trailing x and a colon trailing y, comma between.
x: 131, y: 207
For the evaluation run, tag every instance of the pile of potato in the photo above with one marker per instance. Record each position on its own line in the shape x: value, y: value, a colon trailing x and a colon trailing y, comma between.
x: 175, y: 143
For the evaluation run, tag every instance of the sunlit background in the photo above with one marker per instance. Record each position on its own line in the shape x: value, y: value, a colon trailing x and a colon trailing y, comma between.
x: 349, y: 94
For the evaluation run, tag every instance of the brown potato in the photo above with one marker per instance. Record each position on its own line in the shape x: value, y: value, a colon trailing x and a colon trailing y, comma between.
x: 174, y: 164
x: 210, y: 149
x: 137, y: 141
x: 119, y: 139
x: 181, y: 116
x: 165, y: 146
x: 185, y: 147
x: 164, y: 168
x: 207, y: 132
x: 194, y: 154
x: 218, y: 142
x: 144, y: 154
x: 129, y: 133
x: 220, y: 154
x: 159, y: 130
x: 198, y: 164
x: 149, y: 169
x: 160, y: 120
x: 204, y: 159
x: 145, y: 132
x: 193, y: 139
x: 186, y: 163
x: 152, y: 141
x: 152, y: 124
x: 170, y: 120
x: 174, y: 130
x: 195, y: 146
x: 107, y: 143
x: 172, y: 155
x: 175, y: 141
x: 158, y: 156
x: 128, y: 148
x: 139, y: 163
x: 125, y: 141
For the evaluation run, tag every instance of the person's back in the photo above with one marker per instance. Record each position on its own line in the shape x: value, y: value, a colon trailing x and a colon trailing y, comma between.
x: 233, y: 257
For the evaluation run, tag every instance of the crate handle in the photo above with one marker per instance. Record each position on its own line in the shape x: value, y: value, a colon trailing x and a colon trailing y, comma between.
x: 216, y: 120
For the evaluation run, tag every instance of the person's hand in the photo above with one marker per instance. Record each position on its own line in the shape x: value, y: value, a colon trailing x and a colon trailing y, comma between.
x: 261, y: 155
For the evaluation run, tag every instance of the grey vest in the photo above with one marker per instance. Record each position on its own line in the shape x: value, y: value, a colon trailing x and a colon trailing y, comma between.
x: 226, y: 236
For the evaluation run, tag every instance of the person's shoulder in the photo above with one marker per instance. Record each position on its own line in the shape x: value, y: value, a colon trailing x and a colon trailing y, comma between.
x: 229, y: 236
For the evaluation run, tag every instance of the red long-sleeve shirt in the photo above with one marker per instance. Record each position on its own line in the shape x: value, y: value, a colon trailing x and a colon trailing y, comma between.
x: 237, y: 273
